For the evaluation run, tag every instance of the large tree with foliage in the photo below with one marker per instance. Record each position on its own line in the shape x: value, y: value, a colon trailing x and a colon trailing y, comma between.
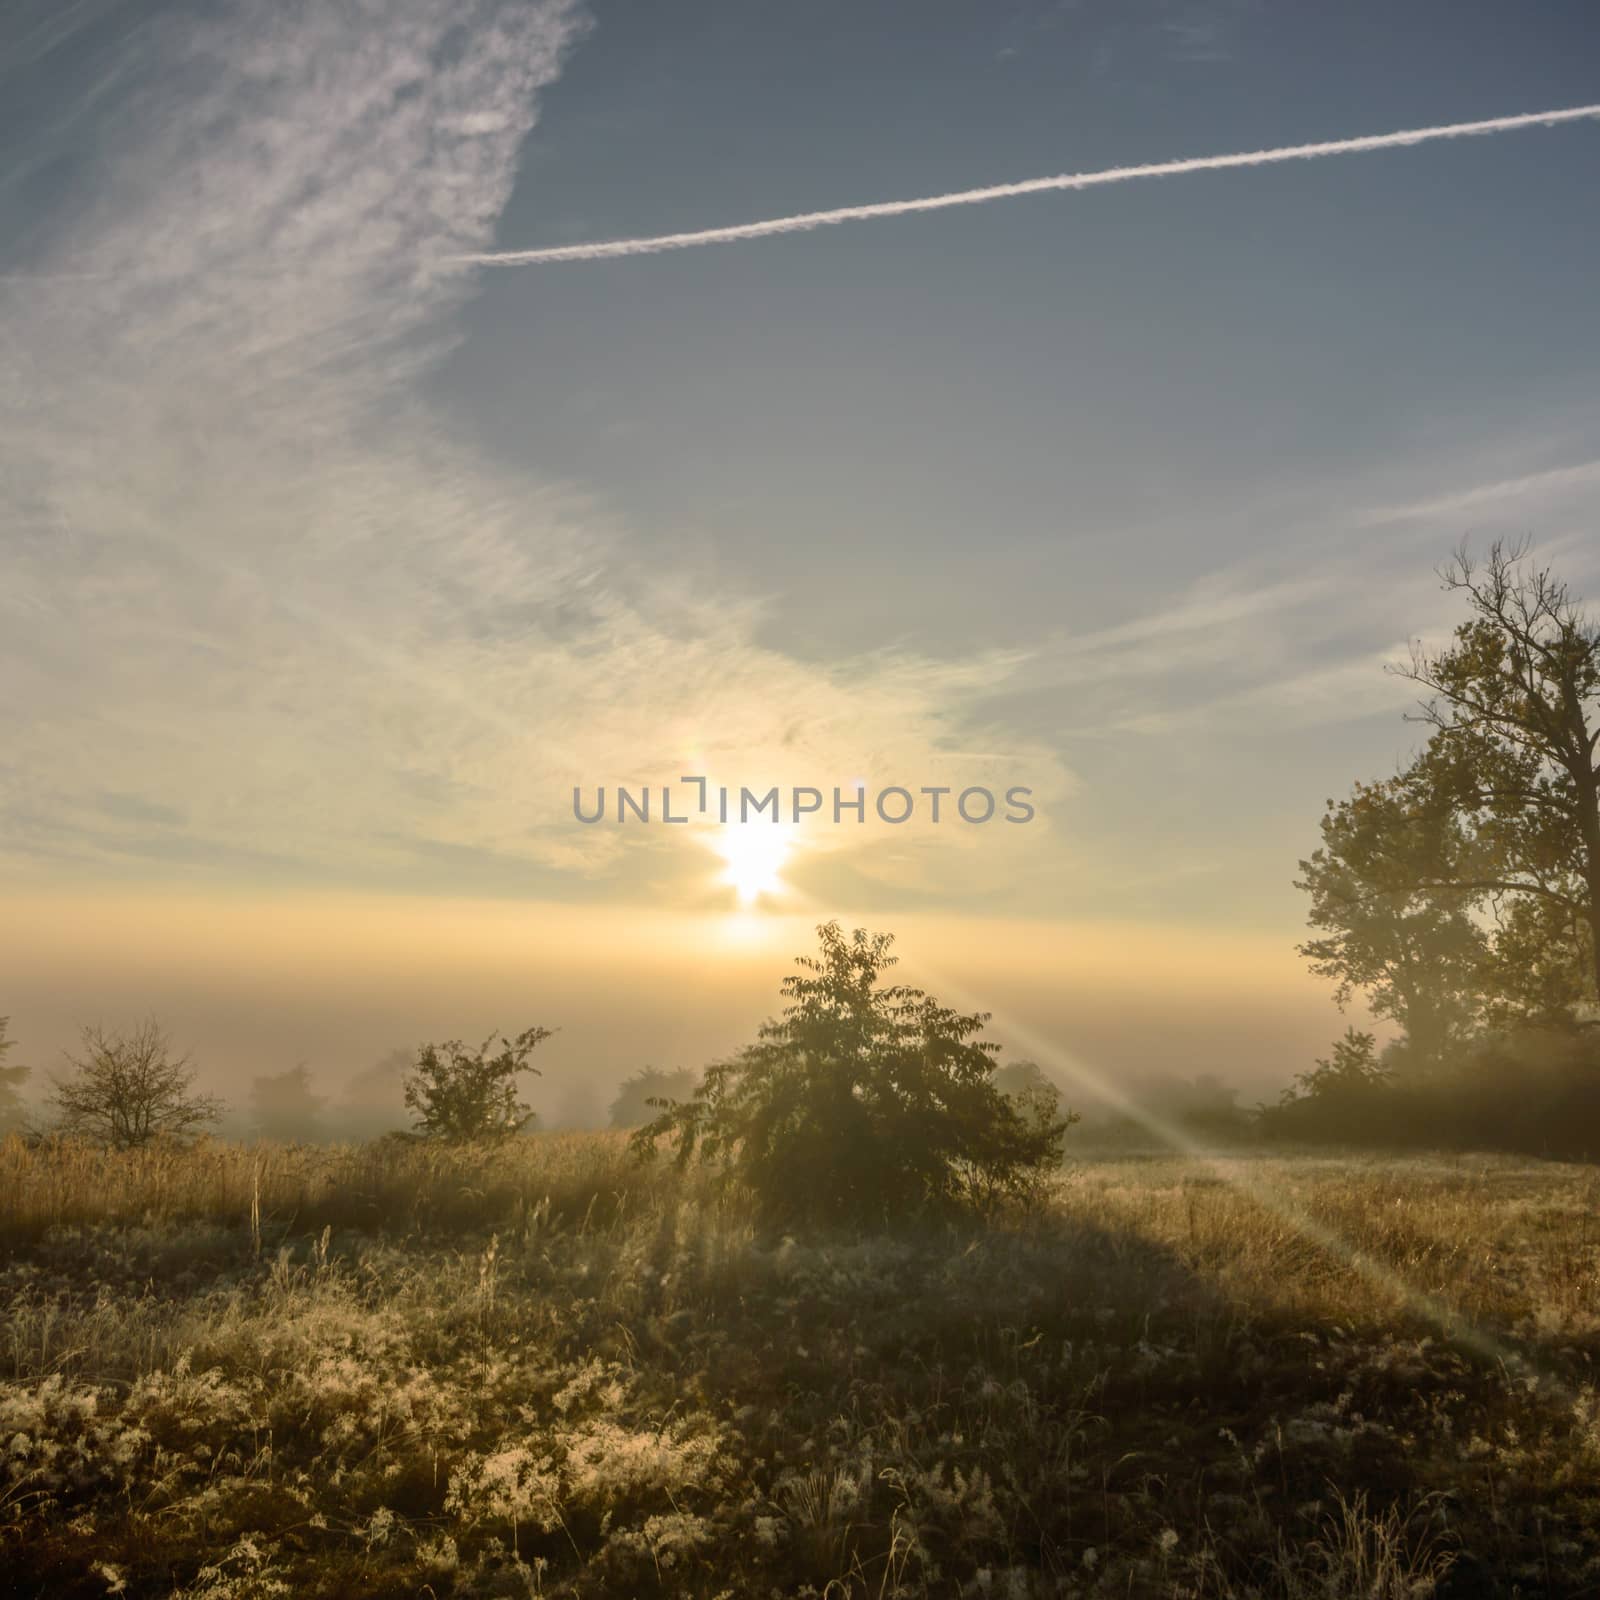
x: 1467, y: 887
x: 863, y: 1101
x: 1387, y: 928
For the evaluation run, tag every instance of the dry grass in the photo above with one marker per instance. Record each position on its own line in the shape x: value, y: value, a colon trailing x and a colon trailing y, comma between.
x: 393, y: 1184
x: 400, y: 1370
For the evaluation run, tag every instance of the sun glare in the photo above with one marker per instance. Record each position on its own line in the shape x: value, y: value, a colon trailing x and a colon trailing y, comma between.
x: 755, y: 855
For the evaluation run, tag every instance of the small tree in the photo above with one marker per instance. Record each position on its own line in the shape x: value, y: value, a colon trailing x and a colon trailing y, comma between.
x: 1346, y: 1096
x: 642, y: 1097
x: 285, y: 1105
x: 11, y: 1082
x: 469, y: 1094
x: 862, y: 1103
x: 127, y: 1089
x: 1350, y: 1072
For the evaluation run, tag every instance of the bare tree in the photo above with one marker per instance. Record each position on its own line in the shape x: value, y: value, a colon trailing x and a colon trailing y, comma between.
x: 127, y: 1089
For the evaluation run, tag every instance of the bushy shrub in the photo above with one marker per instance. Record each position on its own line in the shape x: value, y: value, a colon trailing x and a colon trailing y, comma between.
x: 1532, y: 1090
x: 1535, y: 1090
x: 458, y: 1093
x: 1207, y: 1107
x: 1339, y: 1099
x: 863, y: 1103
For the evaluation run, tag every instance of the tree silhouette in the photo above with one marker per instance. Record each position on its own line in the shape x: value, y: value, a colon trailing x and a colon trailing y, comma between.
x: 1022, y: 1077
x: 1467, y: 887
x: 127, y: 1089
x: 373, y: 1100
x: 285, y: 1107
x: 634, y: 1102
x: 1390, y: 928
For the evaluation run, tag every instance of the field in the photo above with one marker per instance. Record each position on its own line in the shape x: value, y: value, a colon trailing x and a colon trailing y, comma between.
x: 397, y: 1370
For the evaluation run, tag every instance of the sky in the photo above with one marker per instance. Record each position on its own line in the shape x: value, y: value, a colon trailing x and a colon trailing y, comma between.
x: 331, y: 562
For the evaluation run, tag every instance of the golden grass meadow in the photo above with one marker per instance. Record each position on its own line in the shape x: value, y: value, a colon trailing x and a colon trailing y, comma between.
x: 542, y: 1368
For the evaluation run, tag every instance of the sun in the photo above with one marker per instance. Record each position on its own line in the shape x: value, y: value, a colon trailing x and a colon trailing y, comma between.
x: 755, y: 854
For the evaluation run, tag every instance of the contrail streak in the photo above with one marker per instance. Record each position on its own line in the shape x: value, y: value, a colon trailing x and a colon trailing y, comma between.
x: 804, y: 221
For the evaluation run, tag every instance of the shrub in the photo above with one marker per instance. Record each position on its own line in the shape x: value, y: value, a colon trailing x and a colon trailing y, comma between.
x: 1534, y: 1090
x: 1530, y: 1089
x: 469, y: 1094
x: 863, y: 1103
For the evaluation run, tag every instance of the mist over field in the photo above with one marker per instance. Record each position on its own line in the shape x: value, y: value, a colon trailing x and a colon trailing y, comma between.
x: 249, y: 989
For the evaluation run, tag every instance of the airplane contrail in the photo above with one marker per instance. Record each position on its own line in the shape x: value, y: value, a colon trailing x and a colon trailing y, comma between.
x: 804, y: 221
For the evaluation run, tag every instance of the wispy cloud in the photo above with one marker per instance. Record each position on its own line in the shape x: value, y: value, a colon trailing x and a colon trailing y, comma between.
x: 806, y: 221
x: 1526, y: 487
x: 253, y: 581
x: 268, y: 613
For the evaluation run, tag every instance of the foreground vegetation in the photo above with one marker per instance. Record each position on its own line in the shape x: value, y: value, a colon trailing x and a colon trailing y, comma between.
x: 543, y: 1368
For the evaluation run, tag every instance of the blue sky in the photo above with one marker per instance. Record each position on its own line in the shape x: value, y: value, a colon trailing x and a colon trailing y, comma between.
x: 331, y: 565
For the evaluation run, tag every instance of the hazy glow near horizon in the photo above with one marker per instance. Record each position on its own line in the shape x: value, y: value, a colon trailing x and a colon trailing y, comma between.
x: 253, y: 983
